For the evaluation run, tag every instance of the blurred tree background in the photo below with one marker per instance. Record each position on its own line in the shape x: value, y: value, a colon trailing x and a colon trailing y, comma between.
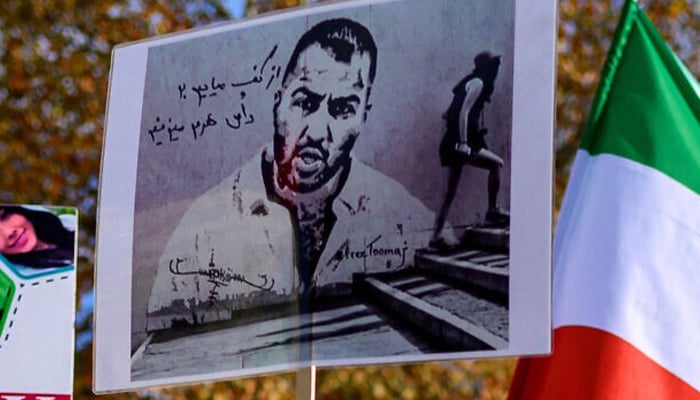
x: 54, y: 73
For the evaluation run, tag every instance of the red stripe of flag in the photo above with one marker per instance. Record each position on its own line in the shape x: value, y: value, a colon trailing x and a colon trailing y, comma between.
x: 589, y: 363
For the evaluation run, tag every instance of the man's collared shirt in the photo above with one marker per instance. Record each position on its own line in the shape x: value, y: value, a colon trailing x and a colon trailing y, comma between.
x: 235, y: 248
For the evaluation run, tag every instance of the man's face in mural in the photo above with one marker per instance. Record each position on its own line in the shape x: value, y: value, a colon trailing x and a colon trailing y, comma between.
x: 319, y: 116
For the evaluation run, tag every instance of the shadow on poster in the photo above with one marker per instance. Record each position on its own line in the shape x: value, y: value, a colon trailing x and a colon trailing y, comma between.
x: 328, y: 186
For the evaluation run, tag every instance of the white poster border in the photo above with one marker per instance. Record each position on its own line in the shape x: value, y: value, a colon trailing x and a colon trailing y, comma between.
x: 531, y: 193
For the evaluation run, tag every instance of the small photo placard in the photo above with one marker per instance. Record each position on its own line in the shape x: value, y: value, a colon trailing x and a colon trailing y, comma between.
x: 37, y: 300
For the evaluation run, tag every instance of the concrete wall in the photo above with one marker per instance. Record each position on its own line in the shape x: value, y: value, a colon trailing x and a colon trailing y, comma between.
x: 424, y: 48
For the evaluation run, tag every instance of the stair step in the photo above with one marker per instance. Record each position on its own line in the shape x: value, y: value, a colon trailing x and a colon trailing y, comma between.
x: 454, y: 267
x: 421, y: 290
x: 497, y: 239
x: 439, y: 323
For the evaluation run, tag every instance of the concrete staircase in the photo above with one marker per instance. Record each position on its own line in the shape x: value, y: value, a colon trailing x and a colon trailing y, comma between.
x: 457, y: 297
x: 449, y: 301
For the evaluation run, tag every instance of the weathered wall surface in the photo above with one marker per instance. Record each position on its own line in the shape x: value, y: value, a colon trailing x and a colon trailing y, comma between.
x: 424, y: 48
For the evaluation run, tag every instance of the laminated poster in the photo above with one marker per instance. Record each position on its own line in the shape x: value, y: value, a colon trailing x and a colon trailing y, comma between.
x: 352, y: 183
x: 37, y: 301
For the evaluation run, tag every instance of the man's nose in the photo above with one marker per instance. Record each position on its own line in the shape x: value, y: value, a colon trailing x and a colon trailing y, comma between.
x: 318, y: 126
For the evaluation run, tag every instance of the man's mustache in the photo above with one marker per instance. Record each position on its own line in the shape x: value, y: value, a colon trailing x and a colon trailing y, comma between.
x: 312, y: 148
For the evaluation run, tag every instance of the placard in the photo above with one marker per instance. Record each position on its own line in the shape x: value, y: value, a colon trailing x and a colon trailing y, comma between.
x: 37, y: 300
x: 354, y: 183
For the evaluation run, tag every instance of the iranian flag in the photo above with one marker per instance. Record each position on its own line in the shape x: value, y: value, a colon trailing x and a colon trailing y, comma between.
x: 626, y: 280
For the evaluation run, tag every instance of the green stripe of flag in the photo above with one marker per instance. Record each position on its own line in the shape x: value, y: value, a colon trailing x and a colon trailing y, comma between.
x: 647, y: 107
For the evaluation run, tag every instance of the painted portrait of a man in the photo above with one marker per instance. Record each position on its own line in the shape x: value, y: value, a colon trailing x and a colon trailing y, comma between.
x: 302, y: 216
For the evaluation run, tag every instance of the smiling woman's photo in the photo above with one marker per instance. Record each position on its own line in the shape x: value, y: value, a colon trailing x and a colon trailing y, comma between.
x: 36, y: 237
x: 38, y: 269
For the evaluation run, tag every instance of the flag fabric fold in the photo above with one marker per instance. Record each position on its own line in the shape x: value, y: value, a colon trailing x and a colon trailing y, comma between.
x: 626, y: 278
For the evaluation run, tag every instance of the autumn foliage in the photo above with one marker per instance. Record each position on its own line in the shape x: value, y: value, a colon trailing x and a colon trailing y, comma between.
x: 54, y: 73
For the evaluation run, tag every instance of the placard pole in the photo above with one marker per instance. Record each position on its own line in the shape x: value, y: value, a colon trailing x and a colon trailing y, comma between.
x: 306, y: 383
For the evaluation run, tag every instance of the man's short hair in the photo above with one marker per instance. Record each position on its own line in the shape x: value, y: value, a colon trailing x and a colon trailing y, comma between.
x: 344, y: 37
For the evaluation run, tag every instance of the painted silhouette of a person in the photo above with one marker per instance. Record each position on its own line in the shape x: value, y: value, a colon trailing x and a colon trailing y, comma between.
x: 464, y: 142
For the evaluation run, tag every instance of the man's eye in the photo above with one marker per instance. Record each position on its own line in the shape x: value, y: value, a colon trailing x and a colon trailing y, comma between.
x: 307, y: 104
x: 341, y: 110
